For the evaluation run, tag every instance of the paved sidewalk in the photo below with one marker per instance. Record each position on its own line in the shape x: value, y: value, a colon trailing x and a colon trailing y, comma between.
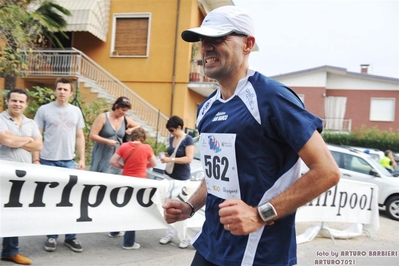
x: 101, y: 250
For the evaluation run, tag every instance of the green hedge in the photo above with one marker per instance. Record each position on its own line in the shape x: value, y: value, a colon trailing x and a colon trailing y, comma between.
x: 366, y: 137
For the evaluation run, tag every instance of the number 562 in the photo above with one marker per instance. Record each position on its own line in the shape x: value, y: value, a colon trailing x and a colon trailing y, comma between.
x: 216, y: 167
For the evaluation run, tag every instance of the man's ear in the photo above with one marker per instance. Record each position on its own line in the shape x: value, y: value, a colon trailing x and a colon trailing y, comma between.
x: 249, y: 44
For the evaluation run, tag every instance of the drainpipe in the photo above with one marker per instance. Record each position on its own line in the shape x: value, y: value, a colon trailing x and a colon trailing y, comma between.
x: 174, y: 58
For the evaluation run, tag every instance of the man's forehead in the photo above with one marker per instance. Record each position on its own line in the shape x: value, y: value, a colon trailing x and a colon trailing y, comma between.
x: 63, y: 85
x: 18, y: 96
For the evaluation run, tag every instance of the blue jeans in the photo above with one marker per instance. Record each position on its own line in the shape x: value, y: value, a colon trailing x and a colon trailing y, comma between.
x: 62, y: 163
x: 65, y: 164
x: 10, y: 247
x: 128, y: 239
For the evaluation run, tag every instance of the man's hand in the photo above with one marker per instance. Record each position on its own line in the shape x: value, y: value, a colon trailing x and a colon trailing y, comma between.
x: 175, y: 210
x: 239, y: 218
x: 81, y: 164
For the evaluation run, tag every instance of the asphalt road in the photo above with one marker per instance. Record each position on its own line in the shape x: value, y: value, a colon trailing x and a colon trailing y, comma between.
x: 100, y: 250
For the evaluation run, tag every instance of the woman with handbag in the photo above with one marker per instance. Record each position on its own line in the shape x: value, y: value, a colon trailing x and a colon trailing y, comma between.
x: 107, y: 132
x: 179, y: 155
x: 137, y: 157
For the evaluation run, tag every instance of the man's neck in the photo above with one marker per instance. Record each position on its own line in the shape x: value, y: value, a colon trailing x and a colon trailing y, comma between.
x: 61, y: 103
x: 228, y: 85
x: 15, y: 117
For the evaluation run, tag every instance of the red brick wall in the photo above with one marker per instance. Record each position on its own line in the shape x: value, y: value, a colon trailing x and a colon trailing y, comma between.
x: 314, y: 99
x: 357, y: 105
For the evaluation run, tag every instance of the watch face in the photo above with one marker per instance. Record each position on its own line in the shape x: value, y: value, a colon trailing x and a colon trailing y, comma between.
x: 268, y: 212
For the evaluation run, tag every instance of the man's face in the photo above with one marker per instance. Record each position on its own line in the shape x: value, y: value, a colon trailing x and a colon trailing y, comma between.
x: 222, y: 56
x: 17, y: 104
x: 63, y: 92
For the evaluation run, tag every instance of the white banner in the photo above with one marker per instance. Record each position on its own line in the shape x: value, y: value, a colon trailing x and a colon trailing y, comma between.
x: 41, y: 200
x: 349, y: 201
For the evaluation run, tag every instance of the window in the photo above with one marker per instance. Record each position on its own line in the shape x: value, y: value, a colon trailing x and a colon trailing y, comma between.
x: 130, y: 35
x: 337, y: 157
x: 360, y: 165
x: 357, y: 164
x: 382, y: 109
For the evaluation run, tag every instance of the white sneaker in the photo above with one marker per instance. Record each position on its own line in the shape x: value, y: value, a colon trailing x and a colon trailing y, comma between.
x: 184, y: 244
x: 118, y: 235
x: 135, y: 246
x: 165, y: 240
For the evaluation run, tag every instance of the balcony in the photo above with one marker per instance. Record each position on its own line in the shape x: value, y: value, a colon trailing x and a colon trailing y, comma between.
x: 337, y: 125
x: 198, y: 81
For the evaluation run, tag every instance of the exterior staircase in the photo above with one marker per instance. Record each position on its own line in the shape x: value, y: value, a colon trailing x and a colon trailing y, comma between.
x: 89, y: 74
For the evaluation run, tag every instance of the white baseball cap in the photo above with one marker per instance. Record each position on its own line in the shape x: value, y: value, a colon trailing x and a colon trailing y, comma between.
x: 221, y: 22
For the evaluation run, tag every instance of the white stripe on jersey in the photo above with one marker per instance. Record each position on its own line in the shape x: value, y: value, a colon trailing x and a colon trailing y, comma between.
x: 284, y: 182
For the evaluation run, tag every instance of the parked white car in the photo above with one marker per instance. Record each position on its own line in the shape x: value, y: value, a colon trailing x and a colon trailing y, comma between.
x: 357, y: 165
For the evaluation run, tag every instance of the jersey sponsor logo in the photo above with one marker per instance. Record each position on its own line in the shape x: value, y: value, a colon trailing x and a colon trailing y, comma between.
x: 220, y: 116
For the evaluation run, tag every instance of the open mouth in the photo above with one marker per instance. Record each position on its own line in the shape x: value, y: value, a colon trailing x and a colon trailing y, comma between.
x: 211, y: 60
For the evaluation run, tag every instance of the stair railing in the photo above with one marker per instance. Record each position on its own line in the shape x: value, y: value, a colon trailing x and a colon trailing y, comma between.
x: 72, y: 62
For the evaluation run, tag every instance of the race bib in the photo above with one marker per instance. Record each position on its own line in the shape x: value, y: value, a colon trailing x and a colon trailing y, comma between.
x: 218, y: 159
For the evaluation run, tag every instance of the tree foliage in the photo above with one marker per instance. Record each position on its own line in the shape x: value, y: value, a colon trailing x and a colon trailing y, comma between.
x: 25, y: 25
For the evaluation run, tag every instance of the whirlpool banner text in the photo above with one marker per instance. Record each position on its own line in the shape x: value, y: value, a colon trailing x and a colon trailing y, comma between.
x: 42, y: 200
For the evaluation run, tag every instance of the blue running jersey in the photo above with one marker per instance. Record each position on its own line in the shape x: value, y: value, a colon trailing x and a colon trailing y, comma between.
x: 270, y: 125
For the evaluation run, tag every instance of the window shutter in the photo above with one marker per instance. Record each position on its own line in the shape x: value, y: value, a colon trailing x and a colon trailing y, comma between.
x: 131, y: 36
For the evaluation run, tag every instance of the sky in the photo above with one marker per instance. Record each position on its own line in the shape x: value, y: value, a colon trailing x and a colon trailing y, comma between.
x: 301, y: 34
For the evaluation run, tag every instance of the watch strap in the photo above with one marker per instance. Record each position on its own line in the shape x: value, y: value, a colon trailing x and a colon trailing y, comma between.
x: 192, y: 209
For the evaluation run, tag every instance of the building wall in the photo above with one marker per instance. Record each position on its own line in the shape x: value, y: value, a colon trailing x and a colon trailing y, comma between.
x: 152, y: 77
x: 358, y: 107
x: 358, y: 89
x: 340, y: 82
x: 314, y: 99
x: 313, y: 79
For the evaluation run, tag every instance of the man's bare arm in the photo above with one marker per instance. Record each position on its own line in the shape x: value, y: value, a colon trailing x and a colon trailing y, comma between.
x: 80, y: 147
x: 323, y: 174
x: 10, y: 140
x: 36, y: 145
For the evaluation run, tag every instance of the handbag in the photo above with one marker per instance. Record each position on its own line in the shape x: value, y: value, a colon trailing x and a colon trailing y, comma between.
x: 169, y: 166
x: 126, y: 137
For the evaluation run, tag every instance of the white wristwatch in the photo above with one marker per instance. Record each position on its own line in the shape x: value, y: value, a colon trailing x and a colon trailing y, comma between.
x: 267, y: 212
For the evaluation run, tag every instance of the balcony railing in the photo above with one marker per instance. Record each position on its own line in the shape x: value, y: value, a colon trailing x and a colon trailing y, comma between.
x: 75, y: 63
x: 337, y: 125
x: 197, y: 73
